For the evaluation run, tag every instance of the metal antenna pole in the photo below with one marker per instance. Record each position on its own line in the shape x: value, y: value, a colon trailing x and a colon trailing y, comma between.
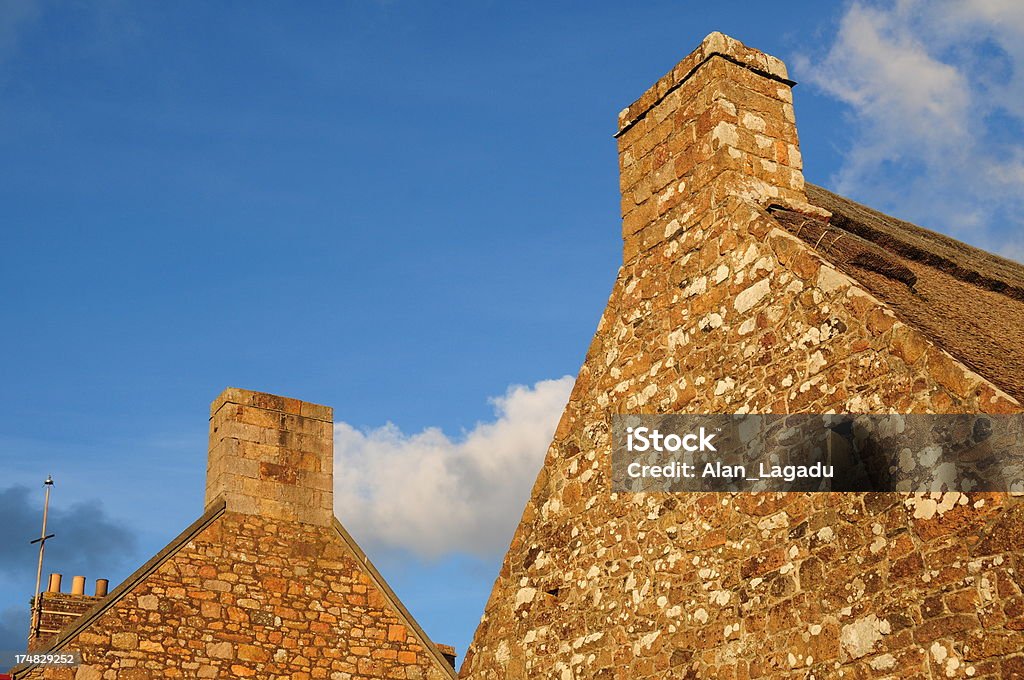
x: 37, y: 609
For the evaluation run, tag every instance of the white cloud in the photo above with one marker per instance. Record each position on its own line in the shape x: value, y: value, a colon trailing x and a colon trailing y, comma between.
x: 936, y: 97
x: 431, y: 494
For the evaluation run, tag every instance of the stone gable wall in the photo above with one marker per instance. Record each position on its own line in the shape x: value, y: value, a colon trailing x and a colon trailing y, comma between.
x: 603, y: 585
x: 251, y: 597
x: 718, y: 310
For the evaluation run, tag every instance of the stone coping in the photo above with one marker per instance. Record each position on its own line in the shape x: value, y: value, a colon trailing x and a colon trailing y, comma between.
x: 714, y: 45
x: 272, y: 402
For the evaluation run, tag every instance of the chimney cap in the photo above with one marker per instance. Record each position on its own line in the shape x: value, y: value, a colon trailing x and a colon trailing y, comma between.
x: 714, y: 44
x: 271, y: 402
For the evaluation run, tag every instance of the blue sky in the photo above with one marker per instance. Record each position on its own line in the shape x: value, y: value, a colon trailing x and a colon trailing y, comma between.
x: 403, y: 210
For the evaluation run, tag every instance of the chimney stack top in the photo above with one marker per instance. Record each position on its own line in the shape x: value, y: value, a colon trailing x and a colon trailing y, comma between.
x: 271, y: 456
x: 714, y: 45
x: 719, y: 125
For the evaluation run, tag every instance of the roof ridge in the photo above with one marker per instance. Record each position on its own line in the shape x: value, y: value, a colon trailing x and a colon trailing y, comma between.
x: 851, y: 246
x: 902, y: 244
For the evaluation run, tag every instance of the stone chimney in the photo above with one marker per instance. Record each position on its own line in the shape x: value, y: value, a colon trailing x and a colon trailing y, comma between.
x: 271, y: 456
x: 59, y: 610
x: 720, y: 123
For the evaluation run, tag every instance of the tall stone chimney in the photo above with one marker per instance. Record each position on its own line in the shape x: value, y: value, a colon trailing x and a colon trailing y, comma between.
x: 720, y: 123
x: 271, y: 456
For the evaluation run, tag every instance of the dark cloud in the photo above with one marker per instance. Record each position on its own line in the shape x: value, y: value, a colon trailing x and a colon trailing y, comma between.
x: 87, y: 542
x: 13, y: 632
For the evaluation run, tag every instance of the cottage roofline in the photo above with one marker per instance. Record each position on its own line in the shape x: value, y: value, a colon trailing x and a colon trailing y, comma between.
x: 216, y: 510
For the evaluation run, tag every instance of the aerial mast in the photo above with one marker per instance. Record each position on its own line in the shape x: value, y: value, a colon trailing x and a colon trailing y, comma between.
x: 43, y: 538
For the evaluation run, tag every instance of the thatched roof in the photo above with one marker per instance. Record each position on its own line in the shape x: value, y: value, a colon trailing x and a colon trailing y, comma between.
x: 968, y: 301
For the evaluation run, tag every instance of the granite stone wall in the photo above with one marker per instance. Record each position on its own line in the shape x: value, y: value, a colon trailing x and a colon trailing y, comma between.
x: 719, y: 310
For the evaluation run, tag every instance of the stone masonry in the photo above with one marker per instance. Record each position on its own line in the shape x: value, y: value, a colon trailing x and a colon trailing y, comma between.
x: 272, y: 457
x: 267, y: 584
x: 57, y: 611
x: 717, y: 309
